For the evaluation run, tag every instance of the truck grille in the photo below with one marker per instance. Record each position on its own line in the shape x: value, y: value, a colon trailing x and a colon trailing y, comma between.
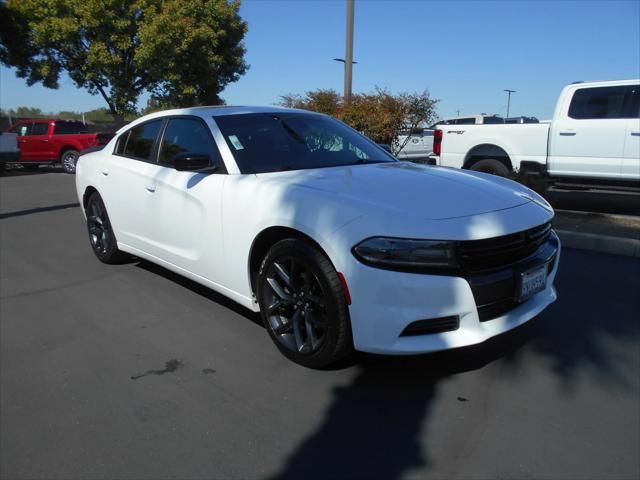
x: 499, y: 252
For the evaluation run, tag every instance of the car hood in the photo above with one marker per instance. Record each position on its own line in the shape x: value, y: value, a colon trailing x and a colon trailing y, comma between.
x: 419, y: 191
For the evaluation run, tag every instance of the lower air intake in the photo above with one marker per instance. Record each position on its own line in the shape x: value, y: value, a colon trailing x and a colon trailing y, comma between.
x: 431, y: 325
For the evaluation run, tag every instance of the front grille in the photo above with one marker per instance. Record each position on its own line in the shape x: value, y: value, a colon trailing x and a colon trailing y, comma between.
x: 432, y: 325
x: 499, y: 252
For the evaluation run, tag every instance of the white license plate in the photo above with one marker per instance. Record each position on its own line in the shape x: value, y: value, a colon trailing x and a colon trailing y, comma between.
x: 533, y: 281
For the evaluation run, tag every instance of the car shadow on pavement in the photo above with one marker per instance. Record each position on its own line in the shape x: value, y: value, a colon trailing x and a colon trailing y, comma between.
x: 30, y: 211
x: 376, y: 426
x: 19, y: 172
x: 199, y: 289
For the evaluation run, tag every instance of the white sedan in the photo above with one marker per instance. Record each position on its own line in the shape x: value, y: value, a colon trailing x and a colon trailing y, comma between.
x: 337, y: 244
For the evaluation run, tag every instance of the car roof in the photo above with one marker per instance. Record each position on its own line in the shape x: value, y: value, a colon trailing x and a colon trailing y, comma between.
x: 214, y: 111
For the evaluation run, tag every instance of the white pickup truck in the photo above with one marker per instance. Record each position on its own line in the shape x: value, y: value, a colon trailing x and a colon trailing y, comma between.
x: 593, y: 141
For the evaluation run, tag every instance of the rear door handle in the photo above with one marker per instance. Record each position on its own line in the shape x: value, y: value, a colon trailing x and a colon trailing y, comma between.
x: 105, y: 172
x: 44, y: 140
x: 150, y: 188
x: 567, y: 133
x: 635, y: 134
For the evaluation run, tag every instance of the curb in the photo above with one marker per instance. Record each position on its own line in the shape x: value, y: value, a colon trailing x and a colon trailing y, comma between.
x: 629, y: 247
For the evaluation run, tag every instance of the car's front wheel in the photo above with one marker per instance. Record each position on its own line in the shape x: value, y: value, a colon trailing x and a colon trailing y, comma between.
x: 303, y: 304
x: 101, y: 236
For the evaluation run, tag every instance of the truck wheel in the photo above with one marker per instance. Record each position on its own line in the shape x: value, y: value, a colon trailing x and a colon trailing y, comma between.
x: 494, y: 167
x: 69, y: 158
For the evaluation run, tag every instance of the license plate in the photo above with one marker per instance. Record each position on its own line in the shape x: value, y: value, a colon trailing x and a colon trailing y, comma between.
x: 532, y: 282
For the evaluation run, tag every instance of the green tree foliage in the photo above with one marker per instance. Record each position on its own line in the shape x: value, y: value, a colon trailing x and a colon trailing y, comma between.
x: 120, y: 48
x: 193, y: 50
x: 379, y: 115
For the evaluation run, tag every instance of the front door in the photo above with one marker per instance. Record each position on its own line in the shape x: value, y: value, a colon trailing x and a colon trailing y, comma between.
x: 185, y: 220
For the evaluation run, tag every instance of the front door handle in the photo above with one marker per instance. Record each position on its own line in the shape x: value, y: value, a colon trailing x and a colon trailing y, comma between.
x: 150, y: 188
x: 44, y: 140
x: 567, y: 133
x: 635, y: 134
x: 105, y: 172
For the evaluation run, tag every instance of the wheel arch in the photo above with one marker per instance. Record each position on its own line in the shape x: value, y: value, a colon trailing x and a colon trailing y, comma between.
x: 487, y: 151
x: 90, y: 190
x: 66, y: 148
x: 266, y: 239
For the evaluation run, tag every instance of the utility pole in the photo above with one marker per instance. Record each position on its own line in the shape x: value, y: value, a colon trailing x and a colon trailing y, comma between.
x: 348, y: 64
x: 458, y: 113
x: 509, y: 92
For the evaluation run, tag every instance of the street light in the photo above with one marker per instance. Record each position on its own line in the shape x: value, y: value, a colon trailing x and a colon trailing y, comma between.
x: 347, y: 87
x: 509, y: 92
x: 348, y: 60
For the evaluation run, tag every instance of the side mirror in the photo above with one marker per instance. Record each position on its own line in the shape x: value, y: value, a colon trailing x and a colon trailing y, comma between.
x: 190, y: 161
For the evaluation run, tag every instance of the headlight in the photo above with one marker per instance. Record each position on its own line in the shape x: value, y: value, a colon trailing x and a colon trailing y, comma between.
x: 406, y: 254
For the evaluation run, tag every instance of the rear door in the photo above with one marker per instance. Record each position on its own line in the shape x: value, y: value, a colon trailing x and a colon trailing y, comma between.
x: 127, y: 188
x: 587, y: 137
x: 631, y: 156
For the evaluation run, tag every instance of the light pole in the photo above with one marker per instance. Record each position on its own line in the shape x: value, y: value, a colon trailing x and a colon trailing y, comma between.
x: 348, y: 71
x: 509, y: 92
x: 347, y: 90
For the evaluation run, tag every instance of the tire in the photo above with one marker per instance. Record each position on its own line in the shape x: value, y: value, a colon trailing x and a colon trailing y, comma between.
x: 303, y: 304
x: 494, y: 167
x: 69, y: 159
x: 101, y: 237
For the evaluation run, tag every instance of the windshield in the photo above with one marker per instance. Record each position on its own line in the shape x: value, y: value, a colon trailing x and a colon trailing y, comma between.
x: 275, y: 142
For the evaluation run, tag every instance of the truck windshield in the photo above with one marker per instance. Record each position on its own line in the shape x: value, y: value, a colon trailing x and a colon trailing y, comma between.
x: 273, y: 142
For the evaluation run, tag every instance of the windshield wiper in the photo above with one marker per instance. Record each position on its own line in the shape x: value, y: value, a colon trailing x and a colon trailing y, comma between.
x: 361, y: 161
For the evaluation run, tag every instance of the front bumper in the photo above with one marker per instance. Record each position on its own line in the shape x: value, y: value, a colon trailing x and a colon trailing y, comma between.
x: 386, y: 302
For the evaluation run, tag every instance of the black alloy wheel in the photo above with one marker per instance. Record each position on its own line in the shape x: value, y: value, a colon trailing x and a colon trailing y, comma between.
x: 103, y: 241
x: 303, y: 304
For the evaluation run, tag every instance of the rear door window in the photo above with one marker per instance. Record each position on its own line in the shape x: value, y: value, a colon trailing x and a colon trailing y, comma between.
x: 39, y: 128
x: 142, y: 139
x: 598, y: 103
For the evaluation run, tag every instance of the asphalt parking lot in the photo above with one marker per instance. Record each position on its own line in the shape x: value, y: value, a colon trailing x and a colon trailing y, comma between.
x: 131, y: 372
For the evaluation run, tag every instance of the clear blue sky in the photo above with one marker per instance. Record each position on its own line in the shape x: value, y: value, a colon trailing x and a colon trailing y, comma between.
x: 464, y: 52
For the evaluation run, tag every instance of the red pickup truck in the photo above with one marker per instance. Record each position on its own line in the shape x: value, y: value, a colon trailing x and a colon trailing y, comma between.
x: 48, y: 141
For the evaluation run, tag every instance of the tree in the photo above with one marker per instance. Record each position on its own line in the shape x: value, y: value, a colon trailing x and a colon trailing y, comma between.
x: 379, y: 115
x: 115, y: 48
x: 193, y: 50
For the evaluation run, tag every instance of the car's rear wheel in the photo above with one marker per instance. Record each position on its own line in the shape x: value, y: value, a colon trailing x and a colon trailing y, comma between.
x: 101, y: 236
x: 68, y: 159
x: 492, y: 166
x: 303, y: 304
